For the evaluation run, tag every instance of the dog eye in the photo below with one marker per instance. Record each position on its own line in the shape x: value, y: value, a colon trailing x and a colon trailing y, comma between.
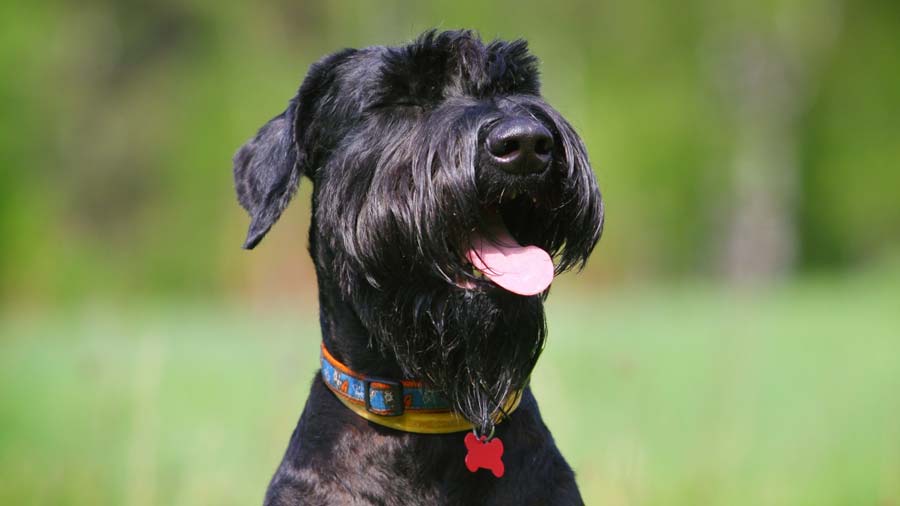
x: 414, y: 106
x: 395, y: 104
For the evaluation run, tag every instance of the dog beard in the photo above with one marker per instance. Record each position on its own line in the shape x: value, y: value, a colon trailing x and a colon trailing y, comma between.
x: 399, y: 215
x: 477, y: 348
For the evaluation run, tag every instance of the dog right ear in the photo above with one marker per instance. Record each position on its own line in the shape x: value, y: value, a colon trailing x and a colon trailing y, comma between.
x: 268, y: 168
x: 266, y: 173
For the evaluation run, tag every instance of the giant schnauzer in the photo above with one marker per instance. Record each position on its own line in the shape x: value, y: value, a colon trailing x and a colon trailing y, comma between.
x: 446, y: 195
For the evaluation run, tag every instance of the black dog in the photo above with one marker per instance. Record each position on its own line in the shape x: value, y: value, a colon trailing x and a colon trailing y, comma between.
x: 427, y: 160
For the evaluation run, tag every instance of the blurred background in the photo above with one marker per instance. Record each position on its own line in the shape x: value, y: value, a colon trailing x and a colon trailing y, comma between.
x: 738, y: 326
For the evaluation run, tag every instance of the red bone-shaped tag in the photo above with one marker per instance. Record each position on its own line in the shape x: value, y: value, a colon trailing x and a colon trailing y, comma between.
x: 484, y: 454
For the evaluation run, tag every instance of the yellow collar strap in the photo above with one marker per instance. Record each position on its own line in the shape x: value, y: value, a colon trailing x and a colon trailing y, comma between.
x: 406, y: 405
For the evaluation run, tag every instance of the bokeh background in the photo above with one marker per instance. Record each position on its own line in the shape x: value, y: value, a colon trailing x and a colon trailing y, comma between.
x: 734, y: 340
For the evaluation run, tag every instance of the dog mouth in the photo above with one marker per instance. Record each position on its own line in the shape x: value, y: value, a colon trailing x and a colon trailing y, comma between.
x: 496, y: 255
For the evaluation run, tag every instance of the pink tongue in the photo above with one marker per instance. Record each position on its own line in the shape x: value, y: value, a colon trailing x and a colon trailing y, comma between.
x: 525, y: 270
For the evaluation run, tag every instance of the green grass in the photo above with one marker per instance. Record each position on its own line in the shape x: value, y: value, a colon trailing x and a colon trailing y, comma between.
x: 681, y: 395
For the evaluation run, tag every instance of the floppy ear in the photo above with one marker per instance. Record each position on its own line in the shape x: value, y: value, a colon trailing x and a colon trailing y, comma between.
x: 266, y: 173
x: 268, y: 168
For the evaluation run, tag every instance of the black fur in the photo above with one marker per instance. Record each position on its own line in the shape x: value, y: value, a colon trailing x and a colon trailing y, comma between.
x: 393, y: 141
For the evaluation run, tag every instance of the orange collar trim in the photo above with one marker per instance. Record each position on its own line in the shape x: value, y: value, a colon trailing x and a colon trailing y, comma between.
x: 405, y: 405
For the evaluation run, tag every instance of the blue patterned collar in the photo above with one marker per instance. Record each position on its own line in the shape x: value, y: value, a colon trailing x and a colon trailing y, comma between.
x: 380, y: 396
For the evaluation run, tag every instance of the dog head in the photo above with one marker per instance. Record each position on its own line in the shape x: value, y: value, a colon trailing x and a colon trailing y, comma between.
x: 447, y: 194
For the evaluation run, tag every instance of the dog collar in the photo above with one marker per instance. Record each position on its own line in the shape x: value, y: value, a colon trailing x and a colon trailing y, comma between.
x: 405, y: 405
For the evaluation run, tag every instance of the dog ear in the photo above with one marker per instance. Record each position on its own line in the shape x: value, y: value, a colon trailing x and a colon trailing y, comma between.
x: 266, y: 173
x: 268, y: 168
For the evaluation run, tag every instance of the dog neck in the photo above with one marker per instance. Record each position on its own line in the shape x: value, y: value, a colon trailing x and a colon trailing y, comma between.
x: 348, y: 341
x: 492, y: 344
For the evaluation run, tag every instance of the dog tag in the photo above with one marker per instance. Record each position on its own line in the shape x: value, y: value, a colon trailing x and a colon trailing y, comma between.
x: 484, y: 454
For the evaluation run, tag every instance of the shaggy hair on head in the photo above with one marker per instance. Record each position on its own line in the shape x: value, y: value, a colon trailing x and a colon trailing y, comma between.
x: 393, y: 141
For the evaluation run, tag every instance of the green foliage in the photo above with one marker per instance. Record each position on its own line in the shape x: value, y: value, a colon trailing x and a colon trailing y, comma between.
x: 119, y: 120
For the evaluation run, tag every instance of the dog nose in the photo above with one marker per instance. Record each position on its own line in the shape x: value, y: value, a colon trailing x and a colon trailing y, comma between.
x: 520, y: 146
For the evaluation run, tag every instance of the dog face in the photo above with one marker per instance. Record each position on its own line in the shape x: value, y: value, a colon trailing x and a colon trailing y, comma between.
x: 447, y: 194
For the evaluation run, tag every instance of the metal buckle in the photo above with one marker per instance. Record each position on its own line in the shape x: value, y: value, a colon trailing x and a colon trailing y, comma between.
x: 396, y: 391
